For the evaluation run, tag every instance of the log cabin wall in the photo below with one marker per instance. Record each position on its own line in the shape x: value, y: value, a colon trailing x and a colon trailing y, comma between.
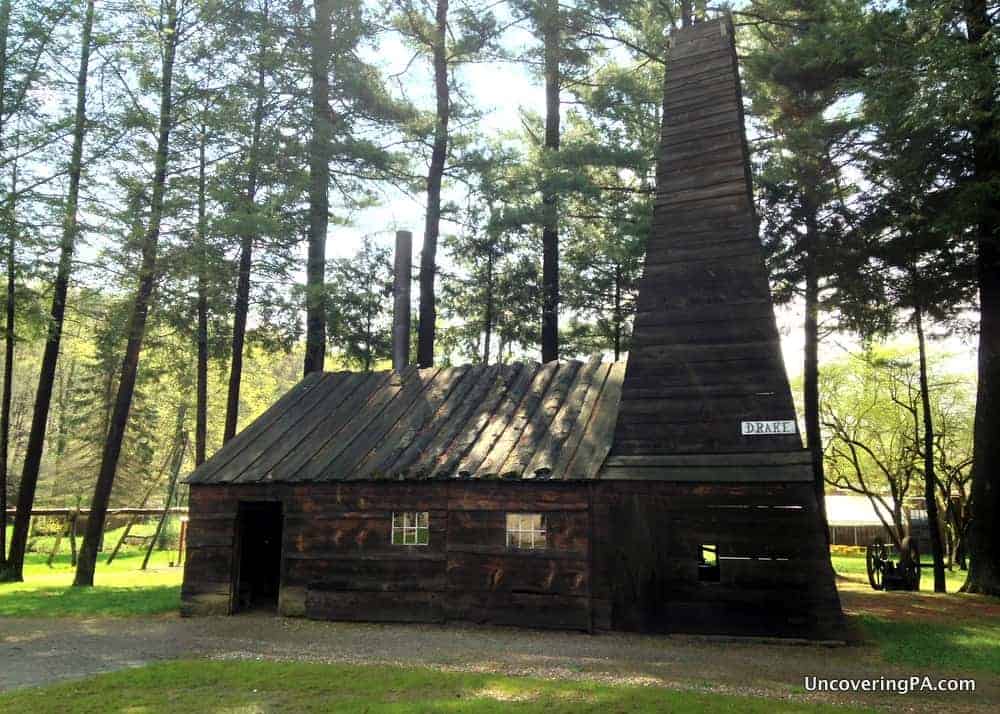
x: 643, y: 538
x: 338, y: 561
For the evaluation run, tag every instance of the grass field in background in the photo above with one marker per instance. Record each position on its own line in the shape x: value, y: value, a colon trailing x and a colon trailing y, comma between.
x: 199, y: 686
x: 855, y: 567
x: 119, y: 589
x: 43, y: 537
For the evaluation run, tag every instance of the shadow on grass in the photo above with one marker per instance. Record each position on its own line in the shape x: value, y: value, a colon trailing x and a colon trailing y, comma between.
x: 965, y: 646
x: 96, y: 601
x: 200, y: 686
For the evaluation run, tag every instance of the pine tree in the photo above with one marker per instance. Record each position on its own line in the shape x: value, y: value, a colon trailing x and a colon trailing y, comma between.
x: 935, y: 83
x: 320, y: 149
x: 46, y: 378
x: 262, y: 62
x: 360, y: 320
x: 450, y: 34
x: 354, y: 122
x: 805, y: 56
x: 169, y: 31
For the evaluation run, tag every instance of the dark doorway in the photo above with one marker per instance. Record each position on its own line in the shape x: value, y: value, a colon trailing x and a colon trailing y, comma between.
x: 259, y: 573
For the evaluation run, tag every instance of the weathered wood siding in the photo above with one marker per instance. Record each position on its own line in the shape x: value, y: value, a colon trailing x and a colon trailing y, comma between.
x: 339, y: 562
x: 775, y: 576
x: 211, y: 551
x: 622, y: 555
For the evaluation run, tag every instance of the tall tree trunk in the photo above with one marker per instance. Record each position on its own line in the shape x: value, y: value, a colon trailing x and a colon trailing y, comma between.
x: 435, y: 174
x: 930, y: 478
x: 201, y: 397
x: 489, y: 309
x: 8, y: 372
x: 5, y: 415
x: 810, y: 370
x: 8, y: 361
x: 618, y: 317
x: 137, y: 320
x: 984, y: 536
x: 62, y: 430
x: 686, y: 13
x: 50, y: 356
x: 242, y: 306
x: 550, y: 207
x: 319, y: 186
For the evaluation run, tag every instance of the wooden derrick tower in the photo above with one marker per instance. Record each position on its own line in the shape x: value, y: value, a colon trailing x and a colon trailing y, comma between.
x: 726, y: 533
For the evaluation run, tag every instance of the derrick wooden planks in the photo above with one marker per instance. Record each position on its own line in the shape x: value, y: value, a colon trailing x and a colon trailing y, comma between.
x: 774, y: 567
x: 705, y: 352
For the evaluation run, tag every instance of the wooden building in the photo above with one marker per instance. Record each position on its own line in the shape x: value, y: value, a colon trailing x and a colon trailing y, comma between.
x: 668, y: 494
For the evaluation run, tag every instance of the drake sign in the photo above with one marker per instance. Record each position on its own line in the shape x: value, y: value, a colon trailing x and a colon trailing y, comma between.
x: 768, y: 428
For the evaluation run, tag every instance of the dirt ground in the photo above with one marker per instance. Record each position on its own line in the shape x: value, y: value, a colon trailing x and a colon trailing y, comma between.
x: 37, y: 651
x: 857, y: 598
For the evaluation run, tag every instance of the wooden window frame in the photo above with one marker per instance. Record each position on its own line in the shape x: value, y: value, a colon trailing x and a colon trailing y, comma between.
x: 411, y: 528
x: 526, y: 536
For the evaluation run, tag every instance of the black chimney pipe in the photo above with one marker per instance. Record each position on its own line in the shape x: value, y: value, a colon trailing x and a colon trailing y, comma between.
x: 401, y: 300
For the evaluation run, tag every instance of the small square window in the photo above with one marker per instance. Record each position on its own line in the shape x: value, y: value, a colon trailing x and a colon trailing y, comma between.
x: 525, y: 531
x: 411, y: 528
x: 708, y: 564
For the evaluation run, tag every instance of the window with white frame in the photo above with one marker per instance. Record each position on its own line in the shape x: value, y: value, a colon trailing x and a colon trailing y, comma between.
x: 411, y: 528
x: 526, y: 531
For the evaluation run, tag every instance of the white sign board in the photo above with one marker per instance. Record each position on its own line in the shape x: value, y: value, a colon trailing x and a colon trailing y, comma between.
x: 768, y: 428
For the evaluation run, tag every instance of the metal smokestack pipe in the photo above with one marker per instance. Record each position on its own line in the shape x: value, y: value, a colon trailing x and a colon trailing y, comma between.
x: 401, y: 300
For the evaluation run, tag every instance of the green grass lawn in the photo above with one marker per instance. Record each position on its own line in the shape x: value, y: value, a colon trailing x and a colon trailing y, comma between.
x: 855, y: 567
x: 966, y: 647
x: 199, y: 686
x: 119, y: 589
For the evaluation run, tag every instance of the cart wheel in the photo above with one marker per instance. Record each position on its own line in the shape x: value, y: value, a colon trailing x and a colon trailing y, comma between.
x: 875, y: 560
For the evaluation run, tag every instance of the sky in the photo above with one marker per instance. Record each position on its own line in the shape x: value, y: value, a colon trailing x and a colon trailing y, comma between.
x: 500, y: 89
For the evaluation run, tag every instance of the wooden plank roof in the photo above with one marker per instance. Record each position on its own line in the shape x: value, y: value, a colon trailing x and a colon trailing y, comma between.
x: 520, y: 421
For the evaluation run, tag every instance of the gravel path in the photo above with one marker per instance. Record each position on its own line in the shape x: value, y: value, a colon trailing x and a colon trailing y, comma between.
x: 37, y: 651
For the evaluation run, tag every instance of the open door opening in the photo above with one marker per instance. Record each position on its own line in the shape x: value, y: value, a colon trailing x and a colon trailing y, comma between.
x: 259, y: 575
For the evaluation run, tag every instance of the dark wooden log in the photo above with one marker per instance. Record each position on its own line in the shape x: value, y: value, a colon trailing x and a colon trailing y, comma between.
x: 469, y: 424
x: 347, y: 463
x: 594, y: 400
x: 222, y: 457
x: 266, y: 457
x: 374, y: 606
x: 346, y: 429
x: 520, y: 609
